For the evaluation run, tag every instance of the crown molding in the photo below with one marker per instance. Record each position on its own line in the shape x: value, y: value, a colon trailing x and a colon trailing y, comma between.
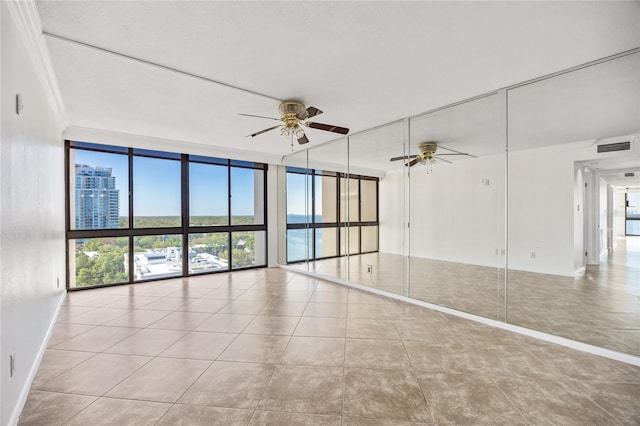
x: 27, y: 20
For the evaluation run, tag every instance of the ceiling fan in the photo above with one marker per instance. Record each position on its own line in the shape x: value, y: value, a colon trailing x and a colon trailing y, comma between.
x: 428, y: 155
x: 294, y: 115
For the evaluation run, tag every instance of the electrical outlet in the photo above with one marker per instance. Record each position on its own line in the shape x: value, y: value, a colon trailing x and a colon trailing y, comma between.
x: 57, y: 282
x: 12, y: 364
x: 370, y: 269
x: 533, y: 254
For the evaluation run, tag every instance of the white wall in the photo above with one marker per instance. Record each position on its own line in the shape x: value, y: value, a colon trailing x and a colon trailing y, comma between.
x: 602, y: 225
x: 541, y: 205
x: 391, y: 202
x: 455, y: 217
x: 579, y: 258
x: 32, y: 250
x: 456, y: 211
x: 619, y: 212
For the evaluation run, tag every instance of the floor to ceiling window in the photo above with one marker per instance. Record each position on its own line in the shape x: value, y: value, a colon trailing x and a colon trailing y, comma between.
x: 137, y: 215
x: 632, y: 212
x: 320, y: 205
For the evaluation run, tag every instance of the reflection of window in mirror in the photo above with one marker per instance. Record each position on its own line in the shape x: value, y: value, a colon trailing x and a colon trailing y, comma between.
x: 325, y: 198
x: 349, y: 194
x: 349, y: 241
x: 312, y: 221
x: 368, y: 200
x: 326, y: 242
x: 298, y: 198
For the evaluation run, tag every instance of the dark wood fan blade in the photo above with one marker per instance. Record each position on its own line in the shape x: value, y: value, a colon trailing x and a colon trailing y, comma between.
x: 313, y: 111
x: 262, y: 131
x: 328, y: 128
x: 413, y: 162
x: 303, y: 139
x: 259, y: 116
x: 404, y: 157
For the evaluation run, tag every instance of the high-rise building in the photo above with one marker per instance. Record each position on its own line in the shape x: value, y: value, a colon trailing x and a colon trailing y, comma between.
x: 97, y: 200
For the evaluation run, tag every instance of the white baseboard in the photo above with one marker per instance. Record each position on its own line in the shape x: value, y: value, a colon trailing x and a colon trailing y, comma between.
x: 584, y: 347
x: 24, y: 394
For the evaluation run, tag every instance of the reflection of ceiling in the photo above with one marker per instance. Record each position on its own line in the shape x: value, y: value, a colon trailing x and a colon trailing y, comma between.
x: 630, y: 161
x: 613, y: 170
x: 598, y: 102
x: 428, y: 55
x: 620, y: 180
x: 475, y: 127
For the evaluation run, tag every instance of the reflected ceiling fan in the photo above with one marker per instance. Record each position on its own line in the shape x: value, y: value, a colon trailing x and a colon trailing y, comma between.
x: 294, y: 116
x: 427, y: 155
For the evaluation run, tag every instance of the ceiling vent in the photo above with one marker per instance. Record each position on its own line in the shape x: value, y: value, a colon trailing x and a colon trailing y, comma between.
x: 619, y: 146
x: 630, y: 174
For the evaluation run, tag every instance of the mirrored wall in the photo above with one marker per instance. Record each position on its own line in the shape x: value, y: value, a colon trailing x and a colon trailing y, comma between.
x: 517, y: 205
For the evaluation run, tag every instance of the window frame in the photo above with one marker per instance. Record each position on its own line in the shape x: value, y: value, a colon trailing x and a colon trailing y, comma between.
x: 184, y: 229
x: 312, y: 225
x: 628, y: 218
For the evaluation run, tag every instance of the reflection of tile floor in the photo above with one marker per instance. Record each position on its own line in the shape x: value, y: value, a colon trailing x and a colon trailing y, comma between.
x: 286, y: 349
x: 601, y: 307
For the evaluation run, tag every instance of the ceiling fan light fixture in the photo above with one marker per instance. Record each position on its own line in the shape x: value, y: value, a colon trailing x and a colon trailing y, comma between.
x: 299, y: 131
x: 293, y: 115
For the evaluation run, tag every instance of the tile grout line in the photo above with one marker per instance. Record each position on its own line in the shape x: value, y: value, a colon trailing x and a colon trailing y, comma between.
x: 413, y: 371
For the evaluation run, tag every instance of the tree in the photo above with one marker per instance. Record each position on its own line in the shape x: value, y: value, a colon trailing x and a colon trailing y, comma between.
x: 242, y: 258
x: 105, y: 268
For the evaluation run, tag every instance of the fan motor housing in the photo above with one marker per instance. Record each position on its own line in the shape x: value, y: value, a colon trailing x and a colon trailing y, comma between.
x: 292, y: 108
x: 428, y: 147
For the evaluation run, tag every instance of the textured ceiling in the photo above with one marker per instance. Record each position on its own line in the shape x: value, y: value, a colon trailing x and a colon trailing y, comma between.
x: 363, y: 63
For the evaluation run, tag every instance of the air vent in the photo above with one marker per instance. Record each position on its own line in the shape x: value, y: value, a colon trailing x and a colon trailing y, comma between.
x: 610, y: 147
x: 630, y: 174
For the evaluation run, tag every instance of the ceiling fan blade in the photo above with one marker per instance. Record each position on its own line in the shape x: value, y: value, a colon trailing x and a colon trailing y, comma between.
x: 262, y: 131
x: 328, y: 128
x: 259, y: 116
x: 413, y: 162
x: 303, y: 139
x: 442, y: 159
x: 313, y: 111
x: 438, y: 155
x: 404, y: 157
x: 457, y: 152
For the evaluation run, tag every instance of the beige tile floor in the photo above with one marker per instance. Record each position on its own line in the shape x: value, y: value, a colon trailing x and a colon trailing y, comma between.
x: 600, y: 307
x: 272, y: 347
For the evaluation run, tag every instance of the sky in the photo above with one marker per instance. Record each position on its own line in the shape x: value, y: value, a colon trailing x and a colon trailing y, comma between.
x: 157, y: 185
